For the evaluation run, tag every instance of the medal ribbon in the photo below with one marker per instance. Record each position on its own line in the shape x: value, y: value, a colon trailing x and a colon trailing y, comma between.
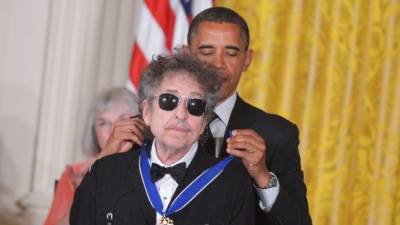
x: 188, y: 194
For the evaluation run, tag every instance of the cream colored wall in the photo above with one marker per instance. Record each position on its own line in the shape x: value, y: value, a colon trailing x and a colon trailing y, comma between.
x: 22, y: 54
x: 54, y: 57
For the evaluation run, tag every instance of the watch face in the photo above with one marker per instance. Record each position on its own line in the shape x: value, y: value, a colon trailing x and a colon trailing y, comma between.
x: 273, y: 182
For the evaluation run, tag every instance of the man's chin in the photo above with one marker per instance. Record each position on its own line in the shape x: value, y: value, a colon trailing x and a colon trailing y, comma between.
x: 223, y: 94
x: 178, y: 147
x: 177, y: 142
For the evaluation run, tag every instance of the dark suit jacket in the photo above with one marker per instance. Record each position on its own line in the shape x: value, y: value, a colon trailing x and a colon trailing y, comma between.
x: 113, y: 185
x: 282, y: 158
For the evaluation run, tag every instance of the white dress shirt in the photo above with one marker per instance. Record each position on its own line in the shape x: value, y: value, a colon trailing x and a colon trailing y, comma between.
x: 218, y: 127
x: 166, y: 186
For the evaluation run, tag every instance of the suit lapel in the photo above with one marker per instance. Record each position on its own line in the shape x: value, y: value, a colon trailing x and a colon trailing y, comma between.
x: 239, y: 119
x: 201, y: 161
x: 134, y: 183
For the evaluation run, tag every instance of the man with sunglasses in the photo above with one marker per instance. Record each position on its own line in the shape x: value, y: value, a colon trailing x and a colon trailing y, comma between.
x: 170, y: 180
x: 266, y: 143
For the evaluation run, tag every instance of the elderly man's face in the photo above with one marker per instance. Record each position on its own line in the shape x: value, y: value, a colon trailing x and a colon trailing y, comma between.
x: 176, y: 129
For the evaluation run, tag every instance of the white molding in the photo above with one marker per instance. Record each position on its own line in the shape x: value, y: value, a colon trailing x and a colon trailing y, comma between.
x: 89, y: 47
x: 36, y: 206
x: 59, y: 102
x: 60, y: 96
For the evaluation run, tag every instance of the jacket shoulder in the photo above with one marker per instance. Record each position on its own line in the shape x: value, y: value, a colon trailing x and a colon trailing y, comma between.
x: 115, y: 164
x: 267, y: 122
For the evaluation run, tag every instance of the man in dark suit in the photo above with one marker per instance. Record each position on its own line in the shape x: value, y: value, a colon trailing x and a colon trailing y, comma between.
x: 266, y: 143
x: 171, y: 180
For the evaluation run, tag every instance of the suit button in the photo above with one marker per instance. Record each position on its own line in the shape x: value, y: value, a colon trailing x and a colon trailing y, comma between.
x: 109, y: 218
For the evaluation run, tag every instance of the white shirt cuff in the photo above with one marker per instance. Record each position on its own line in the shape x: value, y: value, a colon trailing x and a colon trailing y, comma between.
x: 267, y: 196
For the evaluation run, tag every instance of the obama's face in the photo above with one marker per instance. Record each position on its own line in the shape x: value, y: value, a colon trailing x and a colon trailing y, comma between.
x: 222, y: 45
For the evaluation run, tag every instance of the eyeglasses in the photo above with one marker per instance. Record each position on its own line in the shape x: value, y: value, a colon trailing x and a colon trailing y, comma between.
x: 195, y: 106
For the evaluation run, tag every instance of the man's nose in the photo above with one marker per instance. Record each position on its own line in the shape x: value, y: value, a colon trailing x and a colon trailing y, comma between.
x: 180, y: 111
x: 219, y: 61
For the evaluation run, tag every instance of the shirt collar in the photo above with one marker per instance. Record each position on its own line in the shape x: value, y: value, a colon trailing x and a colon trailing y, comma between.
x: 187, y: 158
x: 224, y: 109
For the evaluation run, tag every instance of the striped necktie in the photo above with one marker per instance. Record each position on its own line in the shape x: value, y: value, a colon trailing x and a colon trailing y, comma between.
x: 206, y: 139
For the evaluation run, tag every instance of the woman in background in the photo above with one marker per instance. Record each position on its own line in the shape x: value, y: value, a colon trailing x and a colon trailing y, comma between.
x: 108, y: 108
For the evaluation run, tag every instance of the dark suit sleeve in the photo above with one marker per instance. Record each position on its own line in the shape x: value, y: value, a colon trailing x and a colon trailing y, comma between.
x: 83, y: 208
x: 290, y: 207
x: 242, y: 203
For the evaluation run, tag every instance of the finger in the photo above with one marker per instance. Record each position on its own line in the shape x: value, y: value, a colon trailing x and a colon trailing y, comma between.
x: 243, y: 152
x: 246, y: 157
x: 130, y: 126
x: 237, y: 153
x: 127, y: 135
x: 137, y: 116
x: 125, y: 117
x: 136, y: 130
x: 247, y: 144
x: 247, y: 139
x: 129, y: 115
x: 136, y: 139
x: 127, y: 145
x: 250, y: 160
x: 141, y: 125
x: 129, y: 122
x: 130, y: 132
x: 137, y: 119
x: 243, y: 146
x: 247, y: 133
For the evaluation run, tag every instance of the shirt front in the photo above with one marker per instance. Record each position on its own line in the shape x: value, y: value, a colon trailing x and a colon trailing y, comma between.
x: 166, y: 186
x: 223, y: 112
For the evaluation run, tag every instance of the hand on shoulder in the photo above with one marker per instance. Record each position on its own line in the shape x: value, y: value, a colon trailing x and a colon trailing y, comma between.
x: 125, y: 133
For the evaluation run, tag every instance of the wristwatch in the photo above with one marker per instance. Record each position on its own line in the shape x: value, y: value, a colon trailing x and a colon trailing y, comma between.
x: 273, y: 181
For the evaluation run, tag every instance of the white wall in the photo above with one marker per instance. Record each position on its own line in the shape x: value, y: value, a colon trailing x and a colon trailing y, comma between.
x: 54, y: 57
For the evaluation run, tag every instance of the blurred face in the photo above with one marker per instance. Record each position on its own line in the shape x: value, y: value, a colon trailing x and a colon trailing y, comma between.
x: 221, y: 44
x: 105, y: 120
x: 174, y: 129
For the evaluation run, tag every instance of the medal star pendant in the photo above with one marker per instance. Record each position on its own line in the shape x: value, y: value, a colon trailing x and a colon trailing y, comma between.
x: 166, y: 221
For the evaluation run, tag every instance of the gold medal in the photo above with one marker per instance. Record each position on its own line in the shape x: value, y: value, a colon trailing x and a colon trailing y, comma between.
x: 166, y: 221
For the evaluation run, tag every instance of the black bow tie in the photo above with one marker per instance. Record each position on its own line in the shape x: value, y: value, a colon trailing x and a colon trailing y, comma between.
x: 177, y: 172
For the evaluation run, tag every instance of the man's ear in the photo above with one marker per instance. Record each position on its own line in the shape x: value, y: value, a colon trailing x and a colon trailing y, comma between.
x: 249, y: 58
x: 146, y: 112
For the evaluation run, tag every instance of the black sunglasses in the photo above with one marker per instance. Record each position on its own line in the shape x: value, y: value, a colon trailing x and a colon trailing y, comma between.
x: 195, y: 106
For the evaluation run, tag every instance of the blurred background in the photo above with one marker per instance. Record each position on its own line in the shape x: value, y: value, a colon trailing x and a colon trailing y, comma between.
x: 330, y: 66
